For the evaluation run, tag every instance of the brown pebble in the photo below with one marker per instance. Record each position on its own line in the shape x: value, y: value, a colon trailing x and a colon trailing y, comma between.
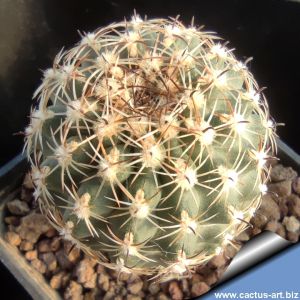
x: 103, y: 281
x: 280, y: 173
x: 26, y: 246
x: 63, y: 260
x: 44, y: 246
x: 51, y: 233
x: 211, y: 278
x: 50, y: 260
x: 73, y: 291
x: 282, y: 189
x: 12, y: 220
x: 256, y: 231
x: 13, y: 238
x: 217, y: 261
x: 91, y: 295
x: 32, y: 227
x: 109, y: 296
x: 296, y: 185
x: 268, y: 209
x: 162, y: 296
x: 153, y: 288
x: 292, y: 236
x: 85, y: 273
x: 133, y: 297
x: 272, y: 226
x: 39, y: 266
x: 291, y: 224
x: 135, y: 286
x: 175, y: 291
x: 243, y: 237
x: 72, y: 252
x: 199, y: 288
x: 294, y: 205
x: 281, y: 231
x: 60, y: 280
x: 31, y: 255
x: 18, y: 207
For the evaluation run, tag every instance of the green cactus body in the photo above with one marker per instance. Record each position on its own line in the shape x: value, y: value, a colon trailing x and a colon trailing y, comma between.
x: 148, y: 146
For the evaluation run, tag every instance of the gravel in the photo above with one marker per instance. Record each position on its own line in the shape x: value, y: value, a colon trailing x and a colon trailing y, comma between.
x: 76, y: 276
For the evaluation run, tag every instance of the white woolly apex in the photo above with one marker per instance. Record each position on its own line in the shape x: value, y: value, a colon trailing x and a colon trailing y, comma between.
x: 269, y: 124
x: 229, y: 177
x: 152, y: 152
x: 186, y: 176
x: 187, y: 224
x: 82, y: 207
x: 172, y: 29
x: 63, y: 153
x: 139, y: 208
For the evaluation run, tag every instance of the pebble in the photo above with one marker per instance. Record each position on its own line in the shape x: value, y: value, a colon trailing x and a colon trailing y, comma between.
x: 280, y: 173
x: 291, y: 224
x: 133, y: 297
x: 199, y: 288
x: 153, y: 288
x: 26, y: 246
x: 59, y: 280
x: 135, y: 286
x: 281, y: 231
x: 294, y: 205
x: 217, y: 261
x: 272, y: 226
x: 12, y: 220
x: 31, y: 255
x: 18, y: 207
x: 73, y: 291
x: 39, y: 265
x: 63, y: 260
x: 175, y: 291
x: 296, y: 185
x: 282, y: 189
x: 32, y: 227
x: 13, y: 238
x: 103, y: 281
x: 50, y: 260
x: 268, y: 209
x: 85, y: 273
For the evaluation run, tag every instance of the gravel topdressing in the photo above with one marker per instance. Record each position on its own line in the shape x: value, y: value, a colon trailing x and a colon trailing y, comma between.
x: 78, y: 277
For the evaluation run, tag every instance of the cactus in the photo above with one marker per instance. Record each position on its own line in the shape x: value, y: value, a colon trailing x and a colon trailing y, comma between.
x: 148, y: 146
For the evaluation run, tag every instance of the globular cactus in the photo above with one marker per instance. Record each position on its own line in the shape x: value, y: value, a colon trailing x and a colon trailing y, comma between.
x: 148, y: 146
